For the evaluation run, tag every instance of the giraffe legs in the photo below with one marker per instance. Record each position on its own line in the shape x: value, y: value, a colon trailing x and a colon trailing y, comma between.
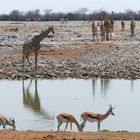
x: 107, y: 36
x: 27, y: 58
x: 29, y: 63
x: 23, y: 60
x: 102, y: 37
x: 36, y: 56
x: 94, y: 38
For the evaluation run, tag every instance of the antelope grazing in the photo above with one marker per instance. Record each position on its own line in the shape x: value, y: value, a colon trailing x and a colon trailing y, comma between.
x: 68, y: 118
x: 7, y: 121
x: 96, y: 117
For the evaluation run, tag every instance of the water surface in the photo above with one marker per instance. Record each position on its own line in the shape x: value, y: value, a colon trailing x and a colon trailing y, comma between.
x: 35, y: 104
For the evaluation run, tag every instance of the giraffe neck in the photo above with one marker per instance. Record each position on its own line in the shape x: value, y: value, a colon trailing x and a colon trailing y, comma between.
x: 93, y: 22
x: 41, y: 36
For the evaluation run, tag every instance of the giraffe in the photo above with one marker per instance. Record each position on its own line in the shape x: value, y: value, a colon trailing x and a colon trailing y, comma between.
x: 112, y: 21
x: 108, y: 24
x: 33, y: 46
x: 108, y: 29
x: 94, y: 31
x: 132, y: 27
x: 102, y: 31
x: 122, y: 25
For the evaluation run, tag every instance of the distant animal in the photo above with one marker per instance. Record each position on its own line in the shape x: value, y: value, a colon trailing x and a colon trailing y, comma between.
x: 96, y: 117
x: 68, y: 118
x: 108, y: 29
x: 7, y: 121
x: 94, y: 31
x: 122, y: 25
x: 132, y: 27
x: 14, y: 29
x: 102, y: 31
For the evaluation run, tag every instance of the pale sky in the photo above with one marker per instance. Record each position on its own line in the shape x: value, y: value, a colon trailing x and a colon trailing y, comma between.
x: 7, y: 6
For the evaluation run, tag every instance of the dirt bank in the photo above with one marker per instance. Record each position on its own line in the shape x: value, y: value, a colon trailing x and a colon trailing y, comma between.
x: 55, y: 135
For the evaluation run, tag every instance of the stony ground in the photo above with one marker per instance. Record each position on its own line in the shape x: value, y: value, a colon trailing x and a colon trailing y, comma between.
x: 70, y: 53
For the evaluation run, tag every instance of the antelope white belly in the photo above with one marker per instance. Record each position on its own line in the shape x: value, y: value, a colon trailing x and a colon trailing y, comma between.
x: 92, y: 120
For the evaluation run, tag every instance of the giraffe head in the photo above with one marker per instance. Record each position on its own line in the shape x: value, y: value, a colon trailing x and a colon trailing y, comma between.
x: 51, y: 29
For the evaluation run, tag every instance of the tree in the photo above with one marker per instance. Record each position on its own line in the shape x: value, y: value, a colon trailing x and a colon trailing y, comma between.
x: 33, y: 15
x: 4, y: 17
x: 130, y: 14
x: 14, y: 15
x: 82, y: 12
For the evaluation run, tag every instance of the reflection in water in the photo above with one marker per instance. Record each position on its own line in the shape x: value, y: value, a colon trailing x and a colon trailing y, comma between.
x: 33, y: 102
x: 94, y: 87
x: 132, y: 86
x: 104, y: 84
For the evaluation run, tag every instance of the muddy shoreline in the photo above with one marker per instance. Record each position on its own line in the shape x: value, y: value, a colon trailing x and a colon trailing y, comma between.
x: 61, y: 135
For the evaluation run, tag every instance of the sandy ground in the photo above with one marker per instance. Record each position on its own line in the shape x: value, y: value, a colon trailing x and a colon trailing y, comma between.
x: 70, y: 53
x: 59, y: 135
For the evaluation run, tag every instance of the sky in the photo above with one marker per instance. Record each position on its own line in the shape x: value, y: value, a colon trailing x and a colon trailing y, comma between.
x: 6, y: 6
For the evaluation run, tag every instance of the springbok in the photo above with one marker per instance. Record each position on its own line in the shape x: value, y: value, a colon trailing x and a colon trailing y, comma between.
x: 7, y: 121
x: 68, y: 118
x: 96, y: 117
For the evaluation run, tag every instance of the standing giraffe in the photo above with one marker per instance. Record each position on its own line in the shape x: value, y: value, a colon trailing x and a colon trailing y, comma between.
x: 132, y: 27
x: 108, y: 24
x: 102, y: 31
x: 112, y: 21
x: 94, y: 31
x: 33, y: 46
x: 108, y: 29
x: 122, y: 25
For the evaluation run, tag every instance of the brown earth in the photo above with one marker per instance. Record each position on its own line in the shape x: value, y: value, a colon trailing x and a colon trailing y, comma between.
x: 60, y: 135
